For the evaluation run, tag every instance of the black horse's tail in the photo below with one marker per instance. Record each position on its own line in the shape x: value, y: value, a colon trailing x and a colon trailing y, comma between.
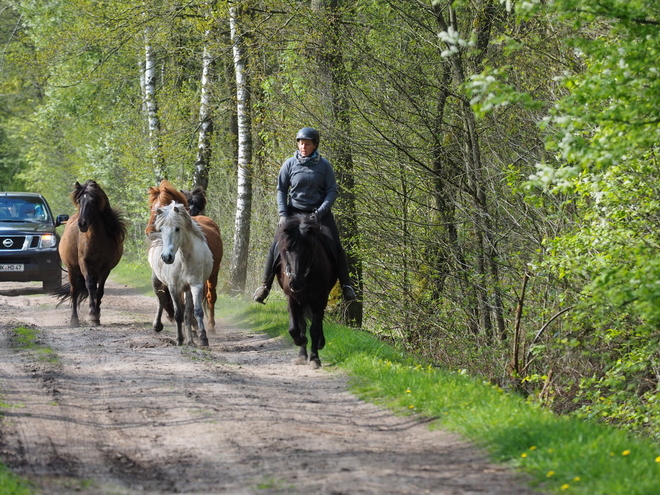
x: 63, y: 293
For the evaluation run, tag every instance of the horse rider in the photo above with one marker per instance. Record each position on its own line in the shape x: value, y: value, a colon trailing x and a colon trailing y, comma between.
x: 306, y: 184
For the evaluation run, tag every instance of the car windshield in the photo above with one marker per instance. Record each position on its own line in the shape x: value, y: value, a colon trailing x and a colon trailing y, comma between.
x: 22, y: 210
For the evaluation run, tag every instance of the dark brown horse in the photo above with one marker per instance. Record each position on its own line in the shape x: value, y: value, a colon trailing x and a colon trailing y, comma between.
x: 91, y: 246
x: 307, y: 275
x: 163, y: 195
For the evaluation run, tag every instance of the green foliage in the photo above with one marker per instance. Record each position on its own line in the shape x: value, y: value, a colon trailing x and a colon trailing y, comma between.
x: 606, y: 130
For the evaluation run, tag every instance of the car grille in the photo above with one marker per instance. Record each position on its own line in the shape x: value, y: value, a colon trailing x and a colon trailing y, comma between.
x: 12, y: 243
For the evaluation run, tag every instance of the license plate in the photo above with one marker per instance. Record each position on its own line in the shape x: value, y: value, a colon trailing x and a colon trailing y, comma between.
x: 11, y: 268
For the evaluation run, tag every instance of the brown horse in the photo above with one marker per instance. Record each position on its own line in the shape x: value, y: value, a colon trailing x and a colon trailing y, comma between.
x: 91, y: 246
x: 307, y: 275
x: 163, y: 195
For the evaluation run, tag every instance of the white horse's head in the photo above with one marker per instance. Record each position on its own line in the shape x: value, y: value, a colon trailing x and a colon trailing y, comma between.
x: 175, y: 227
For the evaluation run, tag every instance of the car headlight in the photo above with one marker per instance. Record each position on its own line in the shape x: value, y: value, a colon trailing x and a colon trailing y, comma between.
x: 48, y: 240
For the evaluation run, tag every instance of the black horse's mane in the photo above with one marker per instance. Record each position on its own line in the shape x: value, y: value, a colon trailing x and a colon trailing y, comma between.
x: 297, y: 229
x: 113, y: 219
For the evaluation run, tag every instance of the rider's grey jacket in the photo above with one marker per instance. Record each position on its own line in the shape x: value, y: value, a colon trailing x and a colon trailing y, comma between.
x: 306, y: 183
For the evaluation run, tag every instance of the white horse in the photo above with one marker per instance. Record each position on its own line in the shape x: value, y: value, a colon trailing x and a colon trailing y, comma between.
x: 181, y: 259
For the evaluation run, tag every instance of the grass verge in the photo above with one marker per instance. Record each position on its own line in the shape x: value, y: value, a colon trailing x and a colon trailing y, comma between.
x: 560, y: 454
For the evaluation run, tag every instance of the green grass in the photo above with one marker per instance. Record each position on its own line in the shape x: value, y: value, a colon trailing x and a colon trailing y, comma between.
x: 11, y: 484
x: 137, y: 274
x: 560, y: 454
x: 28, y: 339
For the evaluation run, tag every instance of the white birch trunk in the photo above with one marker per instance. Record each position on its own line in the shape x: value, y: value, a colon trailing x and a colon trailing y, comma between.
x: 151, y: 106
x: 203, y: 160
x: 238, y: 268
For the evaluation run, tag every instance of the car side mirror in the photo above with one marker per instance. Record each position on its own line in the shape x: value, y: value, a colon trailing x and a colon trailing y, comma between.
x: 61, y: 220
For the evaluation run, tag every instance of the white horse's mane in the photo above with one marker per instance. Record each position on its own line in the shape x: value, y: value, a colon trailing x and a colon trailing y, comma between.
x: 179, y: 216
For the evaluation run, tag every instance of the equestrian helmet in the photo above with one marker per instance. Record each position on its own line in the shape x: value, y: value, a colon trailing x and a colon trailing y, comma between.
x: 309, y: 133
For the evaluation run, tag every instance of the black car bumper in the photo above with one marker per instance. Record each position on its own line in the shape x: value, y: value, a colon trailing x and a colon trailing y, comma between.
x: 25, y: 266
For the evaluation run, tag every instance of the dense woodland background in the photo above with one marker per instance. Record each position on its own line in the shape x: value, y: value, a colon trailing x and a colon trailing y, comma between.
x: 497, y: 161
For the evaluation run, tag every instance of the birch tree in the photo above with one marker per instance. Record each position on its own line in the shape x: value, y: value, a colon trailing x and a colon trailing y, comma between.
x: 203, y: 160
x: 151, y: 106
x: 238, y: 268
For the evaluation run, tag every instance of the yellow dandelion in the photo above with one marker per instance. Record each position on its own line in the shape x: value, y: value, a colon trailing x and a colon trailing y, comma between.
x: 565, y: 487
x: 533, y: 447
x: 577, y: 478
x: 657, y: 459
x: 625, y: 452
x: 411, y: 407
x: 550, y: 473
x: 523, y: 455
x: 408, y: 391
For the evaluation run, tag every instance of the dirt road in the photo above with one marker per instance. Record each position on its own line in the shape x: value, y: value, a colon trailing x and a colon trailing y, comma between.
x: 122, y: 410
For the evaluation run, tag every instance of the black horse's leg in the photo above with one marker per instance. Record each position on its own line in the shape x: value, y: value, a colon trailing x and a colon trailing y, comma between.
x: 75, y: 282
x: 100, y: 291
x: 297, y: 323
x: 178, y: 316
x: 196, y: 296
x: 297, y: 330
x: 91, y: 283
x: 160, y: 289
x: 316, y: 333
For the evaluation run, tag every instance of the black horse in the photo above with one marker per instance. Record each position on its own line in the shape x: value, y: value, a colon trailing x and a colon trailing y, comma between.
x: 306, y: 274
x: 196, y: 200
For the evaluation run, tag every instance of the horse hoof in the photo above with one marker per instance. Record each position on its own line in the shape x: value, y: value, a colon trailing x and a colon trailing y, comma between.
x: 204, y: 342
x: 158, y: 327
x: 300, y: 360
x: 74, y: 322
x: 315, y: 364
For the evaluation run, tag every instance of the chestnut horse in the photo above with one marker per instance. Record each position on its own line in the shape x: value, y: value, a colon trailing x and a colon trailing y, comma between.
x: 91, y: 246
x: 163, y: 195
x: 306, y: 274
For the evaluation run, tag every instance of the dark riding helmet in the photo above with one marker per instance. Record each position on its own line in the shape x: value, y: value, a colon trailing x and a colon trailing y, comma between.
x: 309, y: 133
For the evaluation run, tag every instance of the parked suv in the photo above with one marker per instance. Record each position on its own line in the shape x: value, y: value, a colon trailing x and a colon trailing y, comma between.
x: 28, y: 241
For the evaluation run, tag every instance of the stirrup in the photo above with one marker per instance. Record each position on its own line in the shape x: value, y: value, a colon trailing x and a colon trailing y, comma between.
x: 261, y: 294
x: 349, y: 293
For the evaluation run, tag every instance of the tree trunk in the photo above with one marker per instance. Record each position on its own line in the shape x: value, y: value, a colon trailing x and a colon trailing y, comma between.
x: 238, y: 268
x: 332, y: 66
x: 203, y: 160
x: 487, y: 271
x: 151, y: 106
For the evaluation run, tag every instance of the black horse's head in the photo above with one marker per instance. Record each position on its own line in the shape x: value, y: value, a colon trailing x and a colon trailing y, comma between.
x: 297, y: 241
x: 90, y: 199
x: 196, y: 200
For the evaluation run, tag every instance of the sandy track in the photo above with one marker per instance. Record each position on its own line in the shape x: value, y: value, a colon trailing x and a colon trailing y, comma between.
x: 123, y: 410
